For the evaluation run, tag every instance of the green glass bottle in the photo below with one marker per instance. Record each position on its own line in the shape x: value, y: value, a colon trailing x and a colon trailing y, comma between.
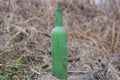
x: 59, y: 48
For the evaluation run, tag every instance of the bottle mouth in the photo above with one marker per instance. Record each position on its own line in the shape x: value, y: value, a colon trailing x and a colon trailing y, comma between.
x: 58, y: 9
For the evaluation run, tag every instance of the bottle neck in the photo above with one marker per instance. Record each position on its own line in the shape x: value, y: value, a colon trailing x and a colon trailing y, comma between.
x: 59, y: 18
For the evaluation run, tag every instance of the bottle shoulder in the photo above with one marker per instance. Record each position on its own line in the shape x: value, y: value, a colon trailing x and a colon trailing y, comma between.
x: 59, y: 30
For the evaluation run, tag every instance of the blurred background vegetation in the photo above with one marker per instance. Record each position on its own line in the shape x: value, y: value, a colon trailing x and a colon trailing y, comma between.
x: 93, y: 38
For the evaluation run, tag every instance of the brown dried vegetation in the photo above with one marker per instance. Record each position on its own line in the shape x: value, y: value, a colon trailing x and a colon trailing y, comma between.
x: 93, y: 37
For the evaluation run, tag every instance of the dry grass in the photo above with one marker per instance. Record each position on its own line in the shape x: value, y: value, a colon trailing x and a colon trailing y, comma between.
x: 93, y: 36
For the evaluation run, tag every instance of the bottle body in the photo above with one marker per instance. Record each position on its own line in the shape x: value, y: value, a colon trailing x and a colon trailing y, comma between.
x: 59, y: 52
